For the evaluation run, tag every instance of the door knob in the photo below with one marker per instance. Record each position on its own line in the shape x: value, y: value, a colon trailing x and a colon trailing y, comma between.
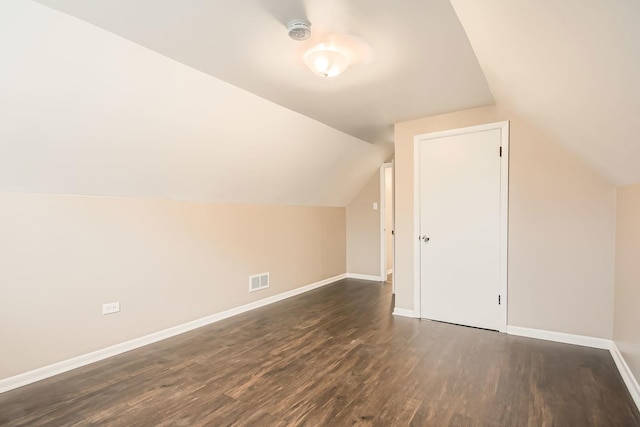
x: 425, y: 239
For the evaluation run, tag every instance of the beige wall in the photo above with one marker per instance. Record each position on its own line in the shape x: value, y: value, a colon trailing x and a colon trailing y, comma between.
x: 561, y: 228
x: 167, y: 262
x: 363, y: 230
x: 626, y: 331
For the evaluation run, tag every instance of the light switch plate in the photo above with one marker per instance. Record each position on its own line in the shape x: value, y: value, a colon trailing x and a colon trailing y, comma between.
x: 111, y: 307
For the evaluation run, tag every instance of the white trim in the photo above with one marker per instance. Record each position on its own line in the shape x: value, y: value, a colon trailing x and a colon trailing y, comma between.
x: 462, y: 131
x: 368, y: 277
x: 504, y: 223
x: 403, y: 312
x: 393, y: 224
x: 627, y: 376
x: 95, y: 356
x: 383, y: 218
x: 417, y: 290
x: 504, y: 211
x: 602, y: 343
x: 389, y: 271
x: 540, y: 334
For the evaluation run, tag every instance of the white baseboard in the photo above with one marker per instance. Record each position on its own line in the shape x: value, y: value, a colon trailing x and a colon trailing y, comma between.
x: 403, y: 312
x: 389, y: 271
x: 368, y: 277
x: 630, y: 381
x: 560, y: 337
x: 95, y: 356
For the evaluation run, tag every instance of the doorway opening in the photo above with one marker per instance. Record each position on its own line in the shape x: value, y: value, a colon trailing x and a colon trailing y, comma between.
x: 387, y: 221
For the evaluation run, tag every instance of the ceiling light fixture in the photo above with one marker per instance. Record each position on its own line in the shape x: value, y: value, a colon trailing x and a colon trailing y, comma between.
x: 327, y: 60
x: 331, y: 57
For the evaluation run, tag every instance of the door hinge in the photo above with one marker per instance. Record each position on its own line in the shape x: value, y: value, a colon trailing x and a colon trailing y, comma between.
x: 500, y: 151
x: 498, y: 299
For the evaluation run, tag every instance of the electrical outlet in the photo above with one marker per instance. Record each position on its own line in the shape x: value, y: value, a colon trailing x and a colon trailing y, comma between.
x: 112, y: 307
x: 375, y: 206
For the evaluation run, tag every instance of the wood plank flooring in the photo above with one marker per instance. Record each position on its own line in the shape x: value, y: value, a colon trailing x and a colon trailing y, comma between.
x: 334, y: 357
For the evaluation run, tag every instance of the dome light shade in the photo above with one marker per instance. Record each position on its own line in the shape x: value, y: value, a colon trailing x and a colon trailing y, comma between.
x: 327, y: 60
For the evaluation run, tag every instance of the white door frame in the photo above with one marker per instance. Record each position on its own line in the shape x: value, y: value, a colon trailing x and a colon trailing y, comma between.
x: 504, y: 212
x: 383, y: 220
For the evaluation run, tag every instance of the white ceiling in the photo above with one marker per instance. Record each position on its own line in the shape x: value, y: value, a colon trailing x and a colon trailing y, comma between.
x: 422, y: 62
x: 83, y: 111
x: 570, y: 67
x: 143, y: 110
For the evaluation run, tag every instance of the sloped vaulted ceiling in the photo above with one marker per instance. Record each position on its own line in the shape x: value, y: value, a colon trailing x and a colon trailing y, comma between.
x: 571, y: 67
x: 83, y: 111
x: 210, y: 101
x: 421, y: 61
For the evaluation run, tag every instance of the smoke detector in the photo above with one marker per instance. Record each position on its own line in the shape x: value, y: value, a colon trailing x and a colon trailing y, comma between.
x: 299, y: 29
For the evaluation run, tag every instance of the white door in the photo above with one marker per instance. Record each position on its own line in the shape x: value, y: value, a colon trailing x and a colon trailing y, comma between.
x: 460, y: 228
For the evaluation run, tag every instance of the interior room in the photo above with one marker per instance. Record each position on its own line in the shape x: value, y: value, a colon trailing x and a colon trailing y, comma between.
x: 319, y: 212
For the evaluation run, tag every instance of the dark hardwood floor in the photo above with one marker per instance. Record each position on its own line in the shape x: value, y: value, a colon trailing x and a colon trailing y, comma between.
x: 334, y: 357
